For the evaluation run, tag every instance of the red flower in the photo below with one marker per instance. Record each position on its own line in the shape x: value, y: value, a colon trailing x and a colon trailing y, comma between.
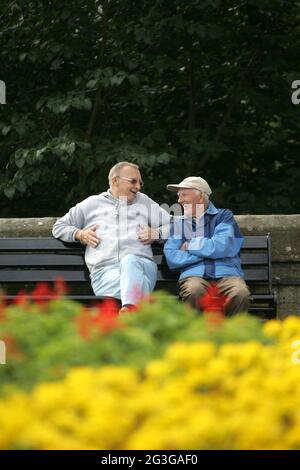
x: 22, y: 298
x: 106, y: 317
x: 2, y: 306
x: 42, y: 290
x: 60, y: 287
x: 84, y: 323
x: 104, y: 320
x: 212, y: 300
x: 213, y: 303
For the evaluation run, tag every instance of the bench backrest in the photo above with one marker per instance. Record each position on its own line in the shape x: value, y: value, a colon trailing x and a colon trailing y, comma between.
x: 30, y: 260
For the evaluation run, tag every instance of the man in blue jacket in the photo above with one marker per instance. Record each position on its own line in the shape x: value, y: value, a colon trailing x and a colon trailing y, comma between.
x: 204, y: 246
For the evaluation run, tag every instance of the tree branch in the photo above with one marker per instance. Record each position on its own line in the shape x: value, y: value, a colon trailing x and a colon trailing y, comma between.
x: 97, y: 101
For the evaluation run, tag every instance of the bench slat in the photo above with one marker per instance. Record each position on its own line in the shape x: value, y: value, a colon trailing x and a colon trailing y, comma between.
x: 33, y: 275
x: 251, y: 275
x: 246, y: 258
x: 49, y: 243
x: 8, y: 276
x: 55, y: 259
x: 254, y: 258
x: 41, y: 259
x: 82, y: 298
x: 31, y: 243
x: 258, y: 242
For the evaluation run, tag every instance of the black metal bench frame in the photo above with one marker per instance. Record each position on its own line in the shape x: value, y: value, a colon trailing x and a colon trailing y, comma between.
x: 26, y: 261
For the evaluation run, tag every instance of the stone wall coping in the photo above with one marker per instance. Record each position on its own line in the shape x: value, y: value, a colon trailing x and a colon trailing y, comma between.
x: 284, y: 229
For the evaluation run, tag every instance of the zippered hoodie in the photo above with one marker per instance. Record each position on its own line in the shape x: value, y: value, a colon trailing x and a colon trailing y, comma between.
x: 118, y: 223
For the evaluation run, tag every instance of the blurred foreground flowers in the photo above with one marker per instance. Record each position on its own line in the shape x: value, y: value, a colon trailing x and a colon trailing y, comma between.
x: 158, y: 378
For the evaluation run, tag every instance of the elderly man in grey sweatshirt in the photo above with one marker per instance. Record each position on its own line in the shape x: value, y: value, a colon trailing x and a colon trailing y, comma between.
x: 118, y: 227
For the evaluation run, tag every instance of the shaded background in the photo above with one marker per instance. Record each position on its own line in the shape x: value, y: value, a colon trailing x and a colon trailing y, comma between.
x: 180, y: 88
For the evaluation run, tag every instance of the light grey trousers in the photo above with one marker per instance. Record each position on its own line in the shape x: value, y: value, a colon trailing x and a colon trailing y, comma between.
x: 193, y: 287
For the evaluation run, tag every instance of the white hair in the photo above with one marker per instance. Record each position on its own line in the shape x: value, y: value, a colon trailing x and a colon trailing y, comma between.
x: 115, y: 170
x: 206, y: 196
x: 197, y: 191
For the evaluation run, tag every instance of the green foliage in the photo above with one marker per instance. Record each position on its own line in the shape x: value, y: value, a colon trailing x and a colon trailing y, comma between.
x: 181, y: 88
x: 43, y: 342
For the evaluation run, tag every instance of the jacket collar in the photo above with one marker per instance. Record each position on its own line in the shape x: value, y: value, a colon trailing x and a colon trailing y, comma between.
x: 212, y: 210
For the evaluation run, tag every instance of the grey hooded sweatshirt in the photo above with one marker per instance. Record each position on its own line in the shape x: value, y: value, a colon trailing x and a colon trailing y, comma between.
x: 118, y: 223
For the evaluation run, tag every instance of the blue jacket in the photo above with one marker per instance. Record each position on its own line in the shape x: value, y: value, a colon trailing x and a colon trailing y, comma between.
x: 213, y: 245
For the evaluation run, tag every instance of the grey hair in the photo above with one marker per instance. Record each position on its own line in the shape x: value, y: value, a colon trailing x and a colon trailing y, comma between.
x: 115, y: 170
x: 206, y: 196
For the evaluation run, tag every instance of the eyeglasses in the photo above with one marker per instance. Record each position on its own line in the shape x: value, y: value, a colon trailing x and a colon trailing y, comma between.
x: 132, y: 180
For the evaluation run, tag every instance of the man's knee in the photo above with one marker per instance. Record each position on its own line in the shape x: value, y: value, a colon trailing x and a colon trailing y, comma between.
x: 130, y: 259
x: 240, y: 290
x: 239, y: 296
x: 191, y: 287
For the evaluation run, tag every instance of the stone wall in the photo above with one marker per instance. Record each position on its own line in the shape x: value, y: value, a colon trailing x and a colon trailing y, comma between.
x: 284, y: 229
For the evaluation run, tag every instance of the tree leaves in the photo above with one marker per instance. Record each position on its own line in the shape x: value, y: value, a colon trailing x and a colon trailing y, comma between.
x: 198, y: 87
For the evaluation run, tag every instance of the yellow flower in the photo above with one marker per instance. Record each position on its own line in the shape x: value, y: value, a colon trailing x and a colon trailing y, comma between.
x: 190, y: 354
x: 15, y: 416
x: 273, y: 328
x: 158, y: 370
x: 242, y: 356
x: 237, y: 396
x: 291, y: 328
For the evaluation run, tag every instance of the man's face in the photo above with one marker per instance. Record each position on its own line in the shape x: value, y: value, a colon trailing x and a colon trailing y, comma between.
x: 192, y: 202
x: 127, y: 184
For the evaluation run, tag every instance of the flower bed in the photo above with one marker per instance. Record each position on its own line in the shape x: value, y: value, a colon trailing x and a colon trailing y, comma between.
x: 159, y: 378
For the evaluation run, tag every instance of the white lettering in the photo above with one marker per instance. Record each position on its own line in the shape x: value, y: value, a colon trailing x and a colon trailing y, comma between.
x: 296, y: 94
x: 296, y: 354
x: 2, y: 92
x: 2, y: 353
x: 111, y: 460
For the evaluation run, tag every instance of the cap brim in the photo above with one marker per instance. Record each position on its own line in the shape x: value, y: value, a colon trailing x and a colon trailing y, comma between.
x: 173, y: 187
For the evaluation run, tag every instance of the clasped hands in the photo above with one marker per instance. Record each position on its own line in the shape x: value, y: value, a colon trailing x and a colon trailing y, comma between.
x: 147, y: 235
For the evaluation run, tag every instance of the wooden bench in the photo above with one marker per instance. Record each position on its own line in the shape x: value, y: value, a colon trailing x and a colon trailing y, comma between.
x: 26, y: 261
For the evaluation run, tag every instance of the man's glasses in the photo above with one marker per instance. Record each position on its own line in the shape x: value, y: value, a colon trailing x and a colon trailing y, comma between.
x: 132, y: 180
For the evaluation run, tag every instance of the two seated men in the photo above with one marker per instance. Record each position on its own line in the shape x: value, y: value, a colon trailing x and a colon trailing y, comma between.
x: 118, y: 227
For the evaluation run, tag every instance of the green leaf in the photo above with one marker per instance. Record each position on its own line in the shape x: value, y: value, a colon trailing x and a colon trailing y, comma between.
x: 9, y: 192
x: 21, y: 186
x: 71, y: 148
x: 6, y: 129
x: 87, y: 102
x: 92, y: 83
x: 118, y: 78
x: 22, y: 56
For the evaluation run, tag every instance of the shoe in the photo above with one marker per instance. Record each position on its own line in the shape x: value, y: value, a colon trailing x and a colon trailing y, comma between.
x: 127, y: 308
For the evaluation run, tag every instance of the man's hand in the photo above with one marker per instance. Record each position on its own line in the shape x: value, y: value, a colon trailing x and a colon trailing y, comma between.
x: 148, y: 235
x: 184, y: 246
x: 88, y: 237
